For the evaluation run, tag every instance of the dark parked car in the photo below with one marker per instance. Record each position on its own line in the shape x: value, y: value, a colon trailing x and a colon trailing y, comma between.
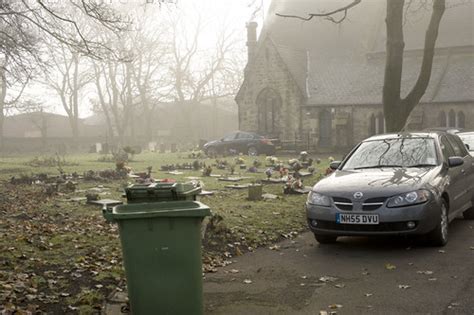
x: 395, y: 184
x: 468, y: 139
x: 240, y: 142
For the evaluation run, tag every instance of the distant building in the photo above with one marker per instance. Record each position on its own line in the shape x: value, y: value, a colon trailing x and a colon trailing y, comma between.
x: 43, y: 131
x: 320, y: 83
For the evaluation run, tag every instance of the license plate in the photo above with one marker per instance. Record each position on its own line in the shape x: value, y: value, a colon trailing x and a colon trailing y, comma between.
x: 343, y: 218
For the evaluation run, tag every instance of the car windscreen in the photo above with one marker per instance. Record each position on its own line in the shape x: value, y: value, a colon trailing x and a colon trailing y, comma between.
x: 398, y: 152
x: 468, y: 139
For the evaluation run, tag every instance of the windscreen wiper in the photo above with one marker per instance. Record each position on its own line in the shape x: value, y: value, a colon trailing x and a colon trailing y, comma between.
x: 421, y: 165
x: 376, y: 166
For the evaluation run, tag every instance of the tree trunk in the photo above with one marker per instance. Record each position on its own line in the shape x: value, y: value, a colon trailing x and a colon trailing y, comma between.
x: 3, y: 94
x: 75, y: 103
x: 393, y: 66
x: 397, y: 110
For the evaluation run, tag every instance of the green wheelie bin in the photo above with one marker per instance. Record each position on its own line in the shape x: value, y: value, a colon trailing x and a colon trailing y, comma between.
x: 161, y: 191
x: 161, y: 245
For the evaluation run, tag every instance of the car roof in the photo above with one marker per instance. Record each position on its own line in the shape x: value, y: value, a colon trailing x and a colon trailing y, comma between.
x: 402, y: 135
x: 451, y: 130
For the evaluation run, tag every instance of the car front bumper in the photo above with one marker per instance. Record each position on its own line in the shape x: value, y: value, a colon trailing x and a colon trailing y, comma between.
x: 392, y: 221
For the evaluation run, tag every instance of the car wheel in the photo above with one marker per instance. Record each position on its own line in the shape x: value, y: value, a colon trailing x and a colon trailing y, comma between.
x: 252, y: 151
x: 211, y: 152
x: 325, y: 239
x: 469, y: 214
x: 439, y: 236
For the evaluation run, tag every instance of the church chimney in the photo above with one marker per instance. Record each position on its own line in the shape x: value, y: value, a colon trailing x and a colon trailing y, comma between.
x: 251, y: 40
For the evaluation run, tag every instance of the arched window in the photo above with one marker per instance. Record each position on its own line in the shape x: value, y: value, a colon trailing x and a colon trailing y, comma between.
x: 451, y: 119
x: 372, y: 125
x: 268, y: 104
x: 381, y: 123
x: 461, y: 120
x: 442, y: 119
x: 325, y: 128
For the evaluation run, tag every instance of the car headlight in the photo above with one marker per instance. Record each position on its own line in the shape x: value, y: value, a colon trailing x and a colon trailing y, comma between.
x: 408, y: 199
x: 318, y: 199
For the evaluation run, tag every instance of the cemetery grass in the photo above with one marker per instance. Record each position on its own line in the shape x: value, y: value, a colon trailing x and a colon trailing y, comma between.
x: 60, y: 256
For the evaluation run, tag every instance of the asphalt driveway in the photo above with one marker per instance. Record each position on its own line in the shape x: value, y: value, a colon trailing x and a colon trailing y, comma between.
x: 354, y: 276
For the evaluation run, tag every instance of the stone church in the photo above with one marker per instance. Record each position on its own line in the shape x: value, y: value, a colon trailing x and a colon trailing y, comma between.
x: 319, y: 84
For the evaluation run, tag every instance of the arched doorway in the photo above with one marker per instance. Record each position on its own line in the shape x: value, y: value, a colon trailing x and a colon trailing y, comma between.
x: 325, y: 128
x: 461, y: 120
x: 451, y: 119
x: 372, y: 125
x: 442, y: 119
x: 269, y: 105
x: 380, y: 123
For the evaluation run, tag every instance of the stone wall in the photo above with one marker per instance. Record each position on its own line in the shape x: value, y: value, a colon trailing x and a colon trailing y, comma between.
x: 269, y: 71
x: 429, y: 114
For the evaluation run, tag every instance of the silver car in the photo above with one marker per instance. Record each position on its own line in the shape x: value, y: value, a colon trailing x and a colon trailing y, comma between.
x: 395, y: 184
x: 468, y: 139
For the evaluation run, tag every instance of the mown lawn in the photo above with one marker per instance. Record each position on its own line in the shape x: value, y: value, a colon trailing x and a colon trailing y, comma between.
x: 60, y: 256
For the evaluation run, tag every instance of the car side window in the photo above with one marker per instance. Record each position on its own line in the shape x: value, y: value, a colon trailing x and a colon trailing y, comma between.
x: 446, y: 148
x: 242, y: 136
x: 229, y: 137
x: 459, y: 150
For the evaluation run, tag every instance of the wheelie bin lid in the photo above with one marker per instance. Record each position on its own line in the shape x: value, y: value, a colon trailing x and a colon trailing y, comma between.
x: 157, y: 209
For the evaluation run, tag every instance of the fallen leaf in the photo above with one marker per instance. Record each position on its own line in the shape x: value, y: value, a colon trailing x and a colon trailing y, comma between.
x: 323, y: 312
x: 274, y: 247
x: 425, y: 272
x: 441, y: 251
x: 404, y: 286
x: 327, y: 279
x: 368, y: 294
x: 335, y: 306
x: 238, y: 252
x: 234, y: 271
x: 340, y: 285
x: 389, y: 266
x: 247, y: 281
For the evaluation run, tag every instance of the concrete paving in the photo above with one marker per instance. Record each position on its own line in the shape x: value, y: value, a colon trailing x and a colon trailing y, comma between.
x: 354, y: 276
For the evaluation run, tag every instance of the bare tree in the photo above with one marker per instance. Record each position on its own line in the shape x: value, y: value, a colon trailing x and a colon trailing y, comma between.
x: 24, y: 23
x: 68, y: 76
x: 199, y: 74
x: 396, y: 108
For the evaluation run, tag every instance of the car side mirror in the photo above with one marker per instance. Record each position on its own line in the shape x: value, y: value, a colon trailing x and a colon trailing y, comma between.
x: 335, y: 165
x: 468, y: 147
x: 455, y: 161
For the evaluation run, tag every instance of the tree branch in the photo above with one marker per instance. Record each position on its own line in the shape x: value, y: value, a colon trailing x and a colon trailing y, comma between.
x: 328, y: 15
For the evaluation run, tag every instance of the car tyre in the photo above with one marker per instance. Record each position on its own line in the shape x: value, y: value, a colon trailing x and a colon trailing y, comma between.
x: 469, y: 214
x: 252, y: 151
x: 439, y: 236
x: 325, y: 239
x: 211, y: 152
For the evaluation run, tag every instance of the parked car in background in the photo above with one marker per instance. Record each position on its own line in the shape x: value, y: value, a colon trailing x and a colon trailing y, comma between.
x: 468, y: 139
x: 451, y: 130
x: 241, y: 142
x: 395, y: 184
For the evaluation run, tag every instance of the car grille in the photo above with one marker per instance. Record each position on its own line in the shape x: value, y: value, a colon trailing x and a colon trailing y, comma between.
x: 382, y: 227
x: 343, y: 203
x: 372, y: 204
